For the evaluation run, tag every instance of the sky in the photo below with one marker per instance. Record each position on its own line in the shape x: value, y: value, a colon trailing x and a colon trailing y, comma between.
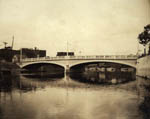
x: 91, y: 27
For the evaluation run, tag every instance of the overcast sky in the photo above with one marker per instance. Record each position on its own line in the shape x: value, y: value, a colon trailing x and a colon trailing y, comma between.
x: 92, y: 27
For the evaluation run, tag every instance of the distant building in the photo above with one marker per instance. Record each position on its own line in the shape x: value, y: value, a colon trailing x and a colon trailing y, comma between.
x: 6, y: 54
x: 9, y: 55
x: 65, y: 54
x: 33, y: 53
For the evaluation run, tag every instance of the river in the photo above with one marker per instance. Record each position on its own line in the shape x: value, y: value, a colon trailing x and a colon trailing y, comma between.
x: 64, y: 97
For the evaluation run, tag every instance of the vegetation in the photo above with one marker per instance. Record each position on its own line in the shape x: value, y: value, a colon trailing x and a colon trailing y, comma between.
x: 144, y: 37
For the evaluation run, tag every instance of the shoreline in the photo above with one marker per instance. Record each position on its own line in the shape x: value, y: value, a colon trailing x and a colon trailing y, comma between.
x: 8, y: 68
x: 143, y: 67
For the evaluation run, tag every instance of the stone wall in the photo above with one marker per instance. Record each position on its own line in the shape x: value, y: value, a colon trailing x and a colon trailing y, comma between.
x: 143, y: 66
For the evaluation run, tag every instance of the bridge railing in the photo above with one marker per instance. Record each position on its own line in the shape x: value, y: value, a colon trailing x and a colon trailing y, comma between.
x: 97, y: 57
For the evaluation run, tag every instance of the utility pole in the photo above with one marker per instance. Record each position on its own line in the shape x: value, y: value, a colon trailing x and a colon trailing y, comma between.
x: 67, y: 66
x: 12, y: 42
x: 20, y: 54
x: 67, y: 48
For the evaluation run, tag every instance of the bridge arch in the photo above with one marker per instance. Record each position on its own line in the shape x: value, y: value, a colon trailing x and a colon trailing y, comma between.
x: 24, y: 65
x: 133, y: 65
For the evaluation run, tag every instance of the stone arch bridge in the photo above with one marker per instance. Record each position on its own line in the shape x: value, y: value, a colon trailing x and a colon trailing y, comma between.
x: 69, y: 61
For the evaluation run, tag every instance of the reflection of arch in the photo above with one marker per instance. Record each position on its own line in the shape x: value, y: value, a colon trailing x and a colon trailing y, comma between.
x: 40, y: 63
x: 103, y: 61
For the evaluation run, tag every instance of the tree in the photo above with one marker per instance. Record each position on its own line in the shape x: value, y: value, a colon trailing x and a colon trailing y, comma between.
x: 144, y: 37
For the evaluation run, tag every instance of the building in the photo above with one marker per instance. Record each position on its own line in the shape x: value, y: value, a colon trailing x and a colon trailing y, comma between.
x: 6, y: 54
x: 65, y: 54
x: 9, y: 55
x: 33, y: 53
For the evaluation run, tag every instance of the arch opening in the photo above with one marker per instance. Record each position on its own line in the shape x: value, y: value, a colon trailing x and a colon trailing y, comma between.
x: 40, y: 70
x: 103, y: 72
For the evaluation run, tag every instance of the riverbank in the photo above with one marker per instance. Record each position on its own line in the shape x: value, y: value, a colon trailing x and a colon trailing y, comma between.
x: 143, y: 67
x: 8, y: 68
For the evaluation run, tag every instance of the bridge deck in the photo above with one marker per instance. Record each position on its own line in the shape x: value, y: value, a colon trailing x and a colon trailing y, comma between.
x: 97, y: 57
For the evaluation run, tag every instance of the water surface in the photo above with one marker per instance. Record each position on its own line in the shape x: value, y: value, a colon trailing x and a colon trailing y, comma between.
x: 67, y: 98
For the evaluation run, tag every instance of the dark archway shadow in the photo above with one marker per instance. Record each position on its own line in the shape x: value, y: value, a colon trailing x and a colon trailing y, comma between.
x: 43, y: 70
x: 103, y: 73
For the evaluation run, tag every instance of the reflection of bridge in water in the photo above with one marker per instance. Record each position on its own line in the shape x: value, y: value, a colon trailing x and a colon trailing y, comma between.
x: 68, y: 62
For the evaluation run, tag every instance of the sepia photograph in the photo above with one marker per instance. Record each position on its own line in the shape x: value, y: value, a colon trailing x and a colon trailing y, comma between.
x: 74, y: 59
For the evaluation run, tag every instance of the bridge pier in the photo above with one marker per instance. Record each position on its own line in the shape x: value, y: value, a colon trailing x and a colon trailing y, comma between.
x: 67, y: 69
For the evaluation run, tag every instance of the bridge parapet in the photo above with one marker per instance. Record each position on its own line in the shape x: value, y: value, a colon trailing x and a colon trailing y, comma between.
x: 96, y: 57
